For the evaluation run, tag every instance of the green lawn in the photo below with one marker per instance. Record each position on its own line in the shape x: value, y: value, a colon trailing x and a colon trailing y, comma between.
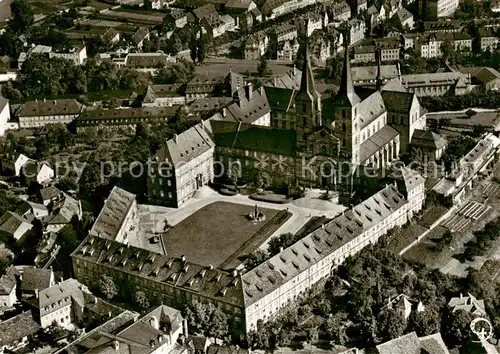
x: 217, y: 233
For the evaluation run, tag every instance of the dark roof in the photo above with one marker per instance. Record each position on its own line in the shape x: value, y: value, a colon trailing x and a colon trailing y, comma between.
x: 407, y: 344
x: 254, y: 138
x: 49, y: 107
x: 205, y: 11
x: 427, y: 139
x: 36, y: 278
x: 140, y: 35
x: 10, y: 222
x: 396, y: 101
x: 50, y: 193
x: 173, y: 272
x: 186, y: 146
x: 147, y: 60
x: 279, y: 98
x: 346, y: 94
x: 3, y: 103
x: 248, y: 111
x: 376, y: 142
x: 18, y: 327
x: 122, y: 113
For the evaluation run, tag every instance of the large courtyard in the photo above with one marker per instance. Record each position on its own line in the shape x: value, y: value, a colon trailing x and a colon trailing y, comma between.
x: 220, y: 234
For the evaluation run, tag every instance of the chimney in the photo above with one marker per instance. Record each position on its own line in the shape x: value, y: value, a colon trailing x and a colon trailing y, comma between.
x: 176, y: 138
x: 224, y: 112
x: 109, y: 314
x: 185, y: 328
x: 153, y: 322
x: 249, y: 91
x: 36, y: 293
x: 116, y: 345
x: 183, y: 258
x: 281, y: 249
x: 211, y: 267
x: 95, y: 299
x: 235, y: 273
x: 294, y: 70
x: 44, y: 100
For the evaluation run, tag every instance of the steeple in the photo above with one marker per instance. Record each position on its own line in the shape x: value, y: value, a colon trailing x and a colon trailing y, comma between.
x: 346, y: 90
x: 307, y: 80
x: 378, y: 81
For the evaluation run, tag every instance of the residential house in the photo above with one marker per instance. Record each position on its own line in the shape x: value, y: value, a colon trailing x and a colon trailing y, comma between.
x: 62, y: 213
x: 179, y: 16
x: 443, y: 26
x: 30, y: 211
x: 141, y: 35
x: 243, y: 12
x: 144, y: 62
x: 338, y: 11
x: 8, y: 287
x: 111, y: 36
x: 163, y: 95
x: 320, y: 49
x: 285, y: 32
x: 403, y: 305
x: 287, y: 50
x: 488, y: 38
x: 199, y: 344
x: 14, y: 226
x: 206, y: 107
x: 208, y: 85
x: 34, y: 280
x: 357, y: 30
x: 483, y: 79
x: 430, y: 46
x: 256, y: 46
x: 34, y: 50
x: 37, y: 172
x: 289, y: 80
x: 311, y: 22
x: 38, y: 113
x: 336, y: 39
x: 218, y: 25
x: 17, y: 330
x: 440, y: 8
x: 76, y: 54
x: 428, y: 145
x: 411, y: 343
x: 405, y: 18
x: 437, y: 84
x: 468, y: 304
x: 4, y: 115
x: 123, y: 118
x: 13, y: 164
x: 182, y: 166
x: 389, y: 50
x: 49, y: 195
x: 116, y: 221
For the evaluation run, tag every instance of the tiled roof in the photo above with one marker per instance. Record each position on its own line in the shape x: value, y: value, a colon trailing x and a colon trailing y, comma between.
x: 65, y: 210
x: 8, y: 281
x: 175, y: 272
x: 428, y: 139
x: 321, y: 243
x: 124, y: 113
x: 60, y: 295
x: 279, y: 98
x: 16, y: 328
x: 186, y: 146
x: 113, y: 213
x: 50, y: 193
x: 254, y: 138
x: 10, y: 222
x: 396, y: 101
x: 376, y: 142
x: 369, y: 73
x: 403, y: 14
x: 482, y: 74
x: 157, y: 91
x: 432, y: 78
x: 49, y: 107
x: 209, y: 104
x: 147, y: 60
x: 371, y: 108
x: 249, y: 111
x: 434, y: 344
x: 205, y: 11
x: 36, y: 278
x: 407, y: 344
x: 239, y: 4
x: 411, y: 178
x: 140, y: 35
x: 204, y: 83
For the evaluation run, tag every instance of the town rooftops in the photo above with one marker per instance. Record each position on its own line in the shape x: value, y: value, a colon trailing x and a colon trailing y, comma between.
x: 60, y: 295
x: 375, y: 142
x: 412, y: 344
x: 468, y: 303
x: 64, y: 210
x: 10, y: 222
x: 50, y: 193
x: 49, y: 108
x: 239, y: 4
x: 173, y: 272
x: 36, y: 279
x: 205, y: 11
x: 411, y: 178
x: 403, y: 15
x: 248, y: 111
x: 186, y: 146
x: 482, y: 75
x: 158, y: 91
x: 110, y: 34
x: 281, y: 268
x: 155, y: 60
x: 113, y: 213
x: 428, y: 79
x: 126, y: 113
x: 140, y: 35
x: 17, y: 328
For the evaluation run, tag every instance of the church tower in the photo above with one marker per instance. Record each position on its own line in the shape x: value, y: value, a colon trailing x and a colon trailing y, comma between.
x: 346, y: 122
x: 379, y: 82
x: 307, y: 101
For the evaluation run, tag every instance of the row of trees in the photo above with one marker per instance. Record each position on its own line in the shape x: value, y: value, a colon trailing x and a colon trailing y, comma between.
x: 352, y: 303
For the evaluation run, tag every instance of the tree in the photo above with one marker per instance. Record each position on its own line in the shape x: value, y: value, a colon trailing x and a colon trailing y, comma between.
x: 10, y: 44
x: 22, y: 16
x: 256, y: 257
x: 200, y: 52
x: 218, y: 327
x: 262, y: 68
x: 66, y: 184
x: 148, y: 4
x: 142, y: 300
x: 283, y: 241
x: 193, y: 48
x: 67, y: 237
x: 108, y: 287
x: 456, y: 328
x: 141, y: 131
x: 448, y: 52
x: 207, y: 319
x: 336, y: 328
x: 426, y: 322
x: 391, y: 324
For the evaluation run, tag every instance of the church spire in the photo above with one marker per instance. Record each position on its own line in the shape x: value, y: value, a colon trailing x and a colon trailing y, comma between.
x: 378, y: 81
x: 307, y: 80
x: 346, y: 90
